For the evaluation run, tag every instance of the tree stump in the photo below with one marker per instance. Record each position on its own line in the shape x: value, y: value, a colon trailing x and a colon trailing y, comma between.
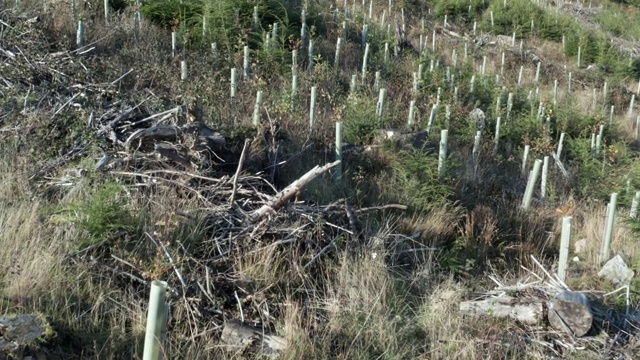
x: 570, y: 312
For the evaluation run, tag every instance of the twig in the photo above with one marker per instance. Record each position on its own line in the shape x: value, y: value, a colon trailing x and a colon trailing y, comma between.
x: 124, y: 262
x: 352, y: 218
x: 235, y: 293
x: 173, y: 264
x: 121, y: 77
x: 184, y: 173
x: 334, y: 205
x: 626, y: 287
x: 86, y: 50
x: 339, y: 227
x: 196, y: 192
x: 417, y: 250
x: 239, y: 170
x: 78, y: 50
x: 551, y: 278
x: 500, y: 285
x: 321, y: 252
x: 390, y: 206
x: 170, y: 111
x: 120, y: 272
x: 5, y: 24
x: 65, y: 104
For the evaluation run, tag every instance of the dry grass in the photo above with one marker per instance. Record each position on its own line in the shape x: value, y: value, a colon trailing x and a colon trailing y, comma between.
x: 590, y: 226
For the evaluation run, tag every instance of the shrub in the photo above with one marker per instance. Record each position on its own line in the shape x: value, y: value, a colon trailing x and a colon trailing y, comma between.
x: 229, y: 22
x: 415, y: 179
x: 360, y: 120
x: 459, y: 9
x: 102, y: 212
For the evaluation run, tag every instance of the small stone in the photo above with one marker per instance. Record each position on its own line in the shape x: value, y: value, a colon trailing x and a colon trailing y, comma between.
x: 616, y: 271
x: 575, y: 259
x: 580, y: 246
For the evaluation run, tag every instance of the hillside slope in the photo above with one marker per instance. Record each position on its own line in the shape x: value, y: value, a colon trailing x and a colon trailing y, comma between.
x: 178, y: 141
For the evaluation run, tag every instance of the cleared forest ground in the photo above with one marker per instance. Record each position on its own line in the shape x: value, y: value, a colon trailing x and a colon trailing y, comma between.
x: 118, y: 168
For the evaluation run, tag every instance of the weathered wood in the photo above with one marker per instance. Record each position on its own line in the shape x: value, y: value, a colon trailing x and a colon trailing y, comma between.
x: 570, y: 312
x: 161, y: 132
x: 525, y: 310
x: 169, y: 151
x: 290, y: 191
x: 241, y: 337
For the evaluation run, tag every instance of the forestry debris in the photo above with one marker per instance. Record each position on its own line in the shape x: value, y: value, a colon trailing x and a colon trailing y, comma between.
x: 573, y: 320
x: 176, y: 152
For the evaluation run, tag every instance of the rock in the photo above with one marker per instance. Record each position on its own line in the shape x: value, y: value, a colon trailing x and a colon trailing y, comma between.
x: 580, y: 246
x: 616, y: 271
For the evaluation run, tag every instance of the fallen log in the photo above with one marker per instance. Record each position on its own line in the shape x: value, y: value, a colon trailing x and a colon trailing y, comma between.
x: 523, y: 310
x: 570, y: 312
x: 240, y: 337
x: 290, y: 191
